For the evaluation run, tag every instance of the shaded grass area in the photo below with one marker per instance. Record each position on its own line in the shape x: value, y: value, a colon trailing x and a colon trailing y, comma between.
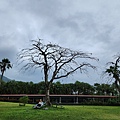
x: 12, y: 111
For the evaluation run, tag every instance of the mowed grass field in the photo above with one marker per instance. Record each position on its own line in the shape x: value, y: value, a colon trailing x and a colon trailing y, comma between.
x: 12, y: 111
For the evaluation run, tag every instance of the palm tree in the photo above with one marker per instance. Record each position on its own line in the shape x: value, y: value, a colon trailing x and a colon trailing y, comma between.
x: 114, y: 71
x: 3, y: 65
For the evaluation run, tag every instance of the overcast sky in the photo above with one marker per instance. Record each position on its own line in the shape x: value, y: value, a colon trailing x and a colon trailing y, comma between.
x: 87, y: 25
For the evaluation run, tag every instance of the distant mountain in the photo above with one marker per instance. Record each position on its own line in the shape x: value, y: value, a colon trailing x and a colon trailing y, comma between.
x: 5, y: 79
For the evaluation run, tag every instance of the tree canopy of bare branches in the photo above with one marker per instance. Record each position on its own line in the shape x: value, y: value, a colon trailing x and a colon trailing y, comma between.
x: 55, y: 61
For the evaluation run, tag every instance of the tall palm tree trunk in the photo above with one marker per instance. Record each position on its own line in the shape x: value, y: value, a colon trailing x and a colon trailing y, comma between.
x: 2, y: 75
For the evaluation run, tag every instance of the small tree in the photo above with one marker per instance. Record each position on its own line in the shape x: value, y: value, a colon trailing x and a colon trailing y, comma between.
x: 114, y: 71
x: 3, y: 65
x: 55, y: 61
x: 23, y: 100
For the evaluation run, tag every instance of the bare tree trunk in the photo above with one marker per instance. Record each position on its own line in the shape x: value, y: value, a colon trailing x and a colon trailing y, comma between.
x: 48, y: 96
x: 1, y: 78
x: 0, y: 82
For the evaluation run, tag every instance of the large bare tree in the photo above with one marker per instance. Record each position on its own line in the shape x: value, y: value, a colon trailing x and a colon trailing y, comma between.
x: 55, y: 61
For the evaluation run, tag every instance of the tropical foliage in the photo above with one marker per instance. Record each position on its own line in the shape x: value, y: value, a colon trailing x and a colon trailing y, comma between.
x: 114, y: 71
x: 4, y: 64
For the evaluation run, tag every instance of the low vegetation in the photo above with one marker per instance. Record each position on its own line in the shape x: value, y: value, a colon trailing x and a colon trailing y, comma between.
x: 23, y: 100
x: 12, y: 111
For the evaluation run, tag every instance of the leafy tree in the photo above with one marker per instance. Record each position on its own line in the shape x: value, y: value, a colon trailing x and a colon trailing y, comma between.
x: 103, y: 89
x: 84, y: 88
x: 114, y: 71
x: 55, y: 61
x: 3, y: 65
x: 2, y: 87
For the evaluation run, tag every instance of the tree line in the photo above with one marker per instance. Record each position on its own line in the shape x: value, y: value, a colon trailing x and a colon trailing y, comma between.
x: 19, y: 87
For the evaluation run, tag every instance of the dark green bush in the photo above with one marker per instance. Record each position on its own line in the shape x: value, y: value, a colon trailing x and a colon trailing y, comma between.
x: 23, y: 100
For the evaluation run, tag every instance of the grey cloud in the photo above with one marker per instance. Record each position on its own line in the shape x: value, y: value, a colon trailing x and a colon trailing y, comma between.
x: 6, y: 49
x: 88, y: 25
x: 8, y: 53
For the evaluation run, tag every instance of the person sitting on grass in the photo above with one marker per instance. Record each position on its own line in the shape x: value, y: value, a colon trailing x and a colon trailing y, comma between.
x: 39, y: 105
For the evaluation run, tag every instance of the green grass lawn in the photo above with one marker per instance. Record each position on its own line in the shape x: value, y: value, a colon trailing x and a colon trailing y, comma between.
x: 12, y: 111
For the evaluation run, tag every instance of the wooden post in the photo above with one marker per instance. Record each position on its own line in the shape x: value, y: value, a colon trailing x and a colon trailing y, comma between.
x: 77, y: 100
x: 60, y: 100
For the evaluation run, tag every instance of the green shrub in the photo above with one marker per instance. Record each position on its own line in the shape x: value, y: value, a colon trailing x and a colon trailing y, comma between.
x: 23, y: 100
